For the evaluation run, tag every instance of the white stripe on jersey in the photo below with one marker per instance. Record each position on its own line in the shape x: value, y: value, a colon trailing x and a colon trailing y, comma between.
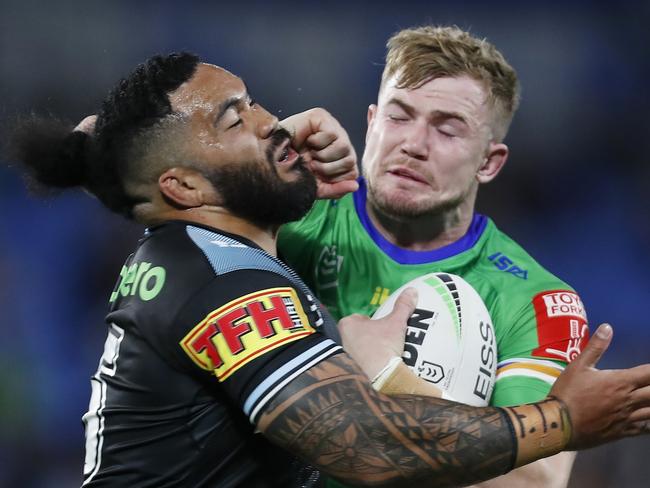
x: 94, y: 418
x: 541, y: 362
x: 265, y: 391
x: 528, y: 373
x: 547, y: 371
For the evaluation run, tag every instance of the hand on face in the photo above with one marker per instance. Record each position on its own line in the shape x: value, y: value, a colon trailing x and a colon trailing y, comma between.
x: 327, y: 151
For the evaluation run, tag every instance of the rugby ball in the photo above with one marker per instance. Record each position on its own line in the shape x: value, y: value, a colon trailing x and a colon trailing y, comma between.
x: 450, y: 338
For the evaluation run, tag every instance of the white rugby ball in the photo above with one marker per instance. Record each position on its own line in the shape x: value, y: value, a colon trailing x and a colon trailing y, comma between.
x: 450, y: 338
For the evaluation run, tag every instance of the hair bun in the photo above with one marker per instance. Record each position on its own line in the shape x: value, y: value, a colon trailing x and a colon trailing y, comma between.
x: 52, y: 155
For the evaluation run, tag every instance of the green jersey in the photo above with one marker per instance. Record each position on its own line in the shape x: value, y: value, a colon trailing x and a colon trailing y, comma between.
x: 539, y: 321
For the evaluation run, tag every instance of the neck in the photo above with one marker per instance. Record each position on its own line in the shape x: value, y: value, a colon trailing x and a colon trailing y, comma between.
x: 220, y: 218
x: 425, y: 232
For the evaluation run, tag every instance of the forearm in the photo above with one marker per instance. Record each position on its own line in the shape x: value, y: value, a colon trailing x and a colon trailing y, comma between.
x: 552, y: 472
x: 333, y: 419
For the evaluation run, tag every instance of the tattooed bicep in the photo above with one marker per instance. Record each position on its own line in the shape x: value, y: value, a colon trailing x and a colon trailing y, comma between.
x: 307, y: 389
x: 332, y: 418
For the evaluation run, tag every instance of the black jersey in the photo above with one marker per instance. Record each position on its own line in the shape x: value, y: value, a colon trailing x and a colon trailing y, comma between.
x: 204, y: 329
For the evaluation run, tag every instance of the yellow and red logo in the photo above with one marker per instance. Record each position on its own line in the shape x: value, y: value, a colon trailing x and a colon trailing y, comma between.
x: 246, y: 328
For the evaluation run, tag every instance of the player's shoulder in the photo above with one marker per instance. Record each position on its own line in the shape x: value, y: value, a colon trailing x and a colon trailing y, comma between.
x: 507, y: 263
x: 161, y: 268
x: 171, y: 242
x: 185, y: 273
x: 174, y: 261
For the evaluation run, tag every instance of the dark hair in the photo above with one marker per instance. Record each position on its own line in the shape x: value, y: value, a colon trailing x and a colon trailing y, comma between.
x: 54, y: 156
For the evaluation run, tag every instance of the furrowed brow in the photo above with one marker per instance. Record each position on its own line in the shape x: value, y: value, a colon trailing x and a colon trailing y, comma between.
x: 409, y: 109
x: 434, y: 115
x: 444, y: 115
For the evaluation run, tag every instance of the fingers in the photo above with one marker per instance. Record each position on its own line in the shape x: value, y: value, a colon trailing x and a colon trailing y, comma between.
x: 596, y: 346
x: 404, y: 306
x: 321, y: 140
x: 335, y: 170
x: 332, y: 191
x: 334, y: 152
x: 640, y: 376
x: 328, y: 141
x: 335, y: 179
x: 315, y: 129
x: 326, y: 148
x: 641, y: 427
x: 640, y: 415
x: 641, y: 397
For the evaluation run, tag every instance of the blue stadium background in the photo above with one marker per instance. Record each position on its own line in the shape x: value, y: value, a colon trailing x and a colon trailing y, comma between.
x: 574, y: 193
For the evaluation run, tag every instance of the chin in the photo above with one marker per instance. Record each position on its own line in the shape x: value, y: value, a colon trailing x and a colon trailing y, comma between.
x: 409, y: 208
x: 401, y: 210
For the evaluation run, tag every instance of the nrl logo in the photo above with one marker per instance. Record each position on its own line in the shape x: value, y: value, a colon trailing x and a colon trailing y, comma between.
x: 431, y: 372
x: 328, y: 267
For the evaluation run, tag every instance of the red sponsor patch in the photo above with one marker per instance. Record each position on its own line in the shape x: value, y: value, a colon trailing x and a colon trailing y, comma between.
x: 562, y: 329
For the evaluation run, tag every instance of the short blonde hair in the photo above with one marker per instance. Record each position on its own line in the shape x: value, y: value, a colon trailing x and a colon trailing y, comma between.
x: 418, y: 55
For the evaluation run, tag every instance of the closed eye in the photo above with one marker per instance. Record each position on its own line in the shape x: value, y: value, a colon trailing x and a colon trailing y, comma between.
x: 398, y: 118
x: 446, y: 132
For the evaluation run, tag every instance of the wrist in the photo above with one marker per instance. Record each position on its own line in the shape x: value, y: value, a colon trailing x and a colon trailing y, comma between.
x: 385, y: 373
x: 540, y: 429
x: 398, y: 379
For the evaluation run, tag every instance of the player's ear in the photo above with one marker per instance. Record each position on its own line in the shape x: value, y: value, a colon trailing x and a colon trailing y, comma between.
x: 495, y: 159
x: 186, y: 188
x: 372, y: 112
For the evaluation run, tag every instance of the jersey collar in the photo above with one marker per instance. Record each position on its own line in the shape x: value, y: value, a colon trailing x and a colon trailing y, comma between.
x: 404, y: 256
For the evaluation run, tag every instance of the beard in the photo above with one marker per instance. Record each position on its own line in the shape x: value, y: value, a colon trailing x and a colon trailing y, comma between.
x: 405, y: 208
x: 255, y: 191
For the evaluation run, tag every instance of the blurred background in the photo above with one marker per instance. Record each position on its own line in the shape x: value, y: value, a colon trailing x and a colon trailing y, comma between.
x: 575, y: 192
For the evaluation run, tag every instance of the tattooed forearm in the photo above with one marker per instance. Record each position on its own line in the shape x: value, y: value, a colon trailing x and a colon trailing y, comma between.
x: 332, y: 418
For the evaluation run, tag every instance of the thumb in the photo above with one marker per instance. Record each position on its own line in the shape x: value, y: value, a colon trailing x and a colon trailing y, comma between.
x: 596, y: 346
x: 404, y: 306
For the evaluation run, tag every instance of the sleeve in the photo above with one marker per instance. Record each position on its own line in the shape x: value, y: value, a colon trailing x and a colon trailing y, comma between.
x: 544, y: 335
x: 252, y: 332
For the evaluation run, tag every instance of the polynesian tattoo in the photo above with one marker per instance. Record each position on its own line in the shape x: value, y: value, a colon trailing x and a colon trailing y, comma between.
x: 331, y: 417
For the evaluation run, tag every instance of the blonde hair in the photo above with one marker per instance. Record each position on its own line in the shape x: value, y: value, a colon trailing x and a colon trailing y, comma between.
x: 418, y: 55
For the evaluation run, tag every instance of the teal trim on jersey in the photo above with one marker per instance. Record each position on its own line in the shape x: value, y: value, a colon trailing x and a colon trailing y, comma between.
x: 226, y: 254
